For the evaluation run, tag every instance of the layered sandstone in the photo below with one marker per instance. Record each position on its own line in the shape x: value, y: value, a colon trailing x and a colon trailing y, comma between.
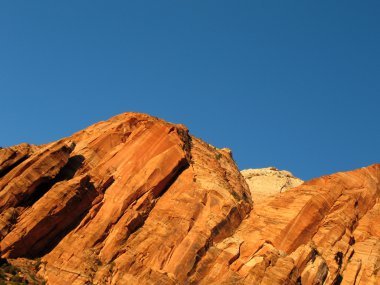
x: 324, y: 231
x: 136, y: 200
x: 267, y: 182
x: 130, y: 200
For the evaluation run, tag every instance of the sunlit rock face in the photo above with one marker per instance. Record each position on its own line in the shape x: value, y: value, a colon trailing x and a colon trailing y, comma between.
x: 268, y: 182
x: 137, y: 200
x: 325, y: 231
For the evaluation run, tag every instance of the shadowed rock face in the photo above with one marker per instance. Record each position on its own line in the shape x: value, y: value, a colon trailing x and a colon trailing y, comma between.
x: 136, y: 200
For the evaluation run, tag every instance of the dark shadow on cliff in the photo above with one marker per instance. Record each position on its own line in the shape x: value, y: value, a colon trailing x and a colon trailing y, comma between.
x: 66, y: 173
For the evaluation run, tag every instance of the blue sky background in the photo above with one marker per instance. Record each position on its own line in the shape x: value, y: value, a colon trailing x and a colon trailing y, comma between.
x: 293, y: 84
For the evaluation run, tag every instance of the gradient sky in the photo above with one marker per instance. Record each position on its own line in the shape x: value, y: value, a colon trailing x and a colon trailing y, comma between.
x: 291, y: 84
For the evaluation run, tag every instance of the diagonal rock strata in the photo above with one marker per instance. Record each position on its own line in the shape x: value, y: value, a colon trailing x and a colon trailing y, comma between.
x: 137, y: 200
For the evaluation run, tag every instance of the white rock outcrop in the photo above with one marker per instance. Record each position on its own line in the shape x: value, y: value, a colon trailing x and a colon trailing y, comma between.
x: 269, y: 181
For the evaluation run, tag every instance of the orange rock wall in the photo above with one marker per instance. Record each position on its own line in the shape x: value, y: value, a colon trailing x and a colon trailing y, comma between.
x: 136, y: 200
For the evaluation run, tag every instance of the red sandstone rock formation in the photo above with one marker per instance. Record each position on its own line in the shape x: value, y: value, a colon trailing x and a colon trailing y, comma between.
x: 136, y: 200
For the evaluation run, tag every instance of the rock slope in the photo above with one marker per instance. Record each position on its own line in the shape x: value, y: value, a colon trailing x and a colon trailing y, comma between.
x: 325, y: 231
x: 267, y: 182
x: 136, y: 200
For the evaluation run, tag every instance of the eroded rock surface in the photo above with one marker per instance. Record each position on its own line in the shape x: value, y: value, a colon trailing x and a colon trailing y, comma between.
x: 267, y: 182
x: 12, y: 156
x: 136, y: 200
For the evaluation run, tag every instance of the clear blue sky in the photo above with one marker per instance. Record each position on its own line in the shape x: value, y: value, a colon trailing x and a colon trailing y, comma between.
x: 293, y: 84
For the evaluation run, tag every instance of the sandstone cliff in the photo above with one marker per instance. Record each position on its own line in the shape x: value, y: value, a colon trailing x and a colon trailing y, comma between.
x: 267, y: 182
x: 136, y: 200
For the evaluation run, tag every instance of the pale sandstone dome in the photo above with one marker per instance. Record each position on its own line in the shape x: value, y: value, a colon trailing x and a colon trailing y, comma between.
x: 137, y: 200
x: 269, y: 181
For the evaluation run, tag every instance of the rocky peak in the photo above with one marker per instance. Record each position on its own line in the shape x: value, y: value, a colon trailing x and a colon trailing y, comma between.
x: 269, y: 181
x: 137, y: 200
